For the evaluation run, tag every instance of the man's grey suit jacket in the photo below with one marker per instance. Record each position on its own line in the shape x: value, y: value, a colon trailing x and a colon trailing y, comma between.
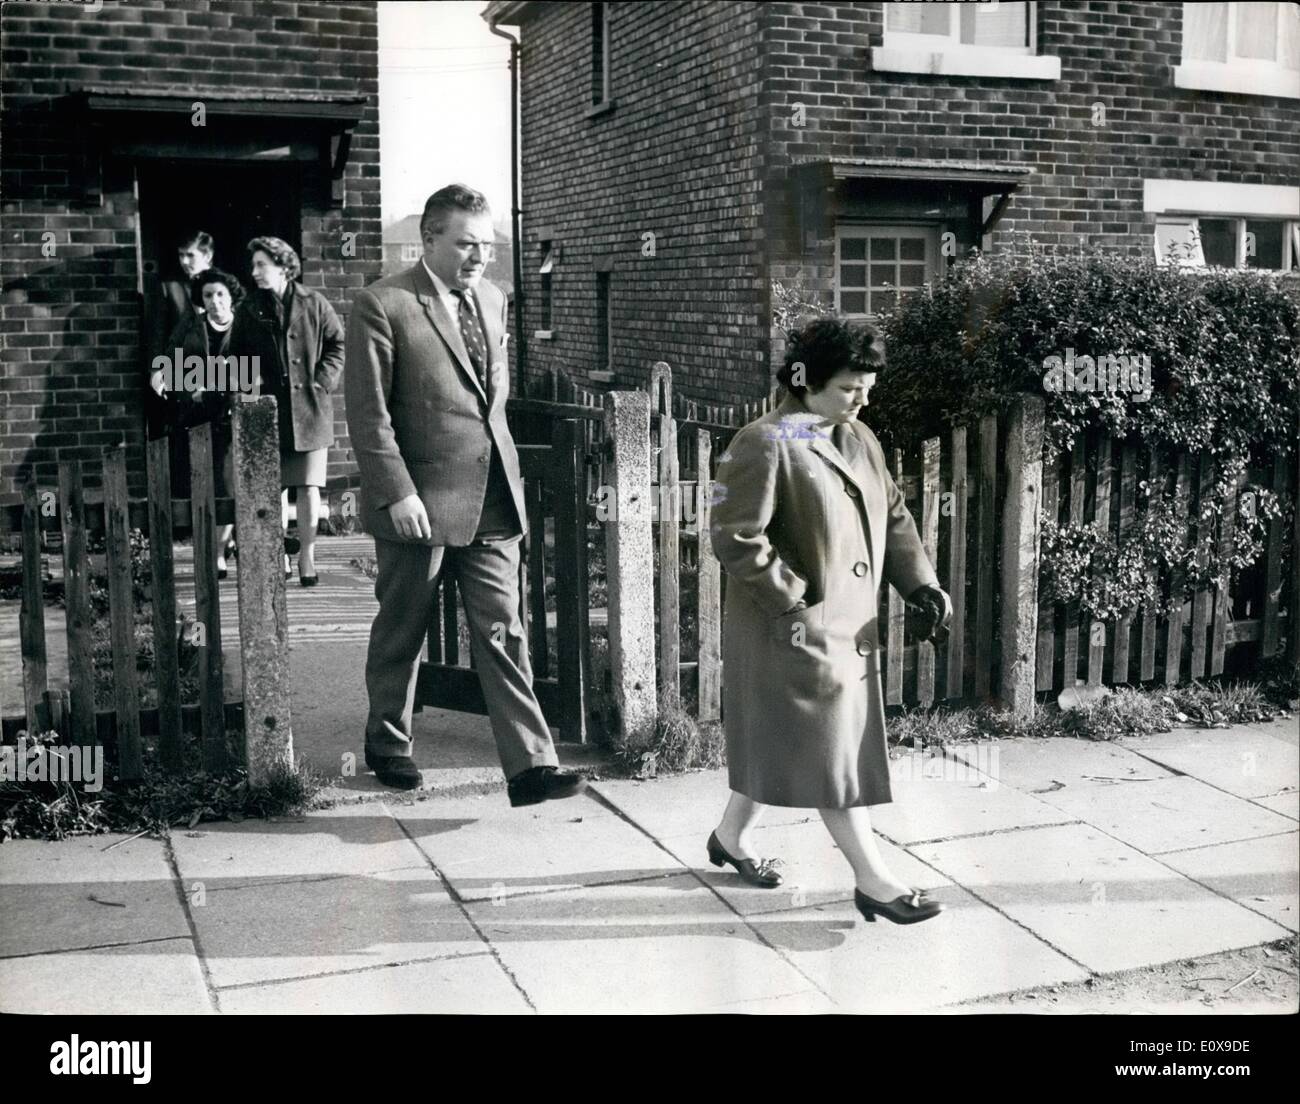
x: 416, y: 411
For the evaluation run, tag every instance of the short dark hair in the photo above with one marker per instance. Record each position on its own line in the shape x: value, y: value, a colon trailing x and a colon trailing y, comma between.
x: 199, y: 239
x: 216, y: 276
x: 454, y: 197
x: 280, y: 252
x: 827, y: 346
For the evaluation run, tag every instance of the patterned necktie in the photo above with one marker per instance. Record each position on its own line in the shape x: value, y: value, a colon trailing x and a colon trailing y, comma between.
x: 472, y: 334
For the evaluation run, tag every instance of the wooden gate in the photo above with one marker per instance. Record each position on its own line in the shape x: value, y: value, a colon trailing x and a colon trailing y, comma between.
x: 555, y: 491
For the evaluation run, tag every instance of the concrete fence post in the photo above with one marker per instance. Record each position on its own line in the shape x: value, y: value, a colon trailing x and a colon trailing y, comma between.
x: 1020, y: 555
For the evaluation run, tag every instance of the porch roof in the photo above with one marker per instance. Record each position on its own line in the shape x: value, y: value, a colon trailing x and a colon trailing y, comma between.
x: 976, y: 176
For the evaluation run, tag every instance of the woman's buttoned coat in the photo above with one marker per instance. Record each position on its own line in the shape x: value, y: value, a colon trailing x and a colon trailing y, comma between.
x: 795, y: 520
x: 314, y: 344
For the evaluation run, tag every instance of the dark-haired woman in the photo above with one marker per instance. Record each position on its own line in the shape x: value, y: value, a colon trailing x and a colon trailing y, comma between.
x: 808, y: 525
x: 204, y: 333
x: 297, y: 337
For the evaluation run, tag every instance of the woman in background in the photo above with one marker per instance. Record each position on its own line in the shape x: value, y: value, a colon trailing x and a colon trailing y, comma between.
x: 299, y: 340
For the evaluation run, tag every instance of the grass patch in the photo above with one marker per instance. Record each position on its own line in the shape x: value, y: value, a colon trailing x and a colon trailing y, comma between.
x: 678, y: 743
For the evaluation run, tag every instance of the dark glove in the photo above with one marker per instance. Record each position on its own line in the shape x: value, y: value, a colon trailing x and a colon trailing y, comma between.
x: 934, y: 609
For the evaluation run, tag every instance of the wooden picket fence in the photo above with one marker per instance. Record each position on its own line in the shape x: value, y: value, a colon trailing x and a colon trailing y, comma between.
x: 263, y: 709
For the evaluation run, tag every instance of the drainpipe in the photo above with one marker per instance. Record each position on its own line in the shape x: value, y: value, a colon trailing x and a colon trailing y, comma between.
x: 521, y: 342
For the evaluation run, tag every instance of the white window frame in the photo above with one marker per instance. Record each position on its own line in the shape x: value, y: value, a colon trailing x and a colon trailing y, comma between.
x: 411, y: 252
x: 934, y: 263
x: 1290, y: 240
x: 902, y: 52
x: 1187, y: 201
x: 604, y: 54
x: 1246, y: 76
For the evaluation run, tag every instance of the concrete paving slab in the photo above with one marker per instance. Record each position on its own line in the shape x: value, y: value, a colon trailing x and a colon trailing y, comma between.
x: 1040, y: 766
x: 1246, y: 761
x: 69, y: 894
x: 467, y: 986
x: 810, y: 1003
x: 150, y: 979
x: 1168, y: 814
x: 967, y: 951
x: 683, y: 804
x: 486, y: 849
x: 350, y: 839
x: 815, y: 871
x: 1261, y: 874
x: 1288, y: 804
x: 940, y: 799
x: 1101, y: 902
x: 1286, y: 729
x: 667, y: 946
x: 303, y: 927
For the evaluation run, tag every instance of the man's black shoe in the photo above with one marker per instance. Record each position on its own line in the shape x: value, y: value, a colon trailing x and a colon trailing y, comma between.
x: 398, y: 771
x: 544, y: 784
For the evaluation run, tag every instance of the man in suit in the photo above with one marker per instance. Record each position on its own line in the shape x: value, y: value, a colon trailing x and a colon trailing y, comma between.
x: 425, y: 382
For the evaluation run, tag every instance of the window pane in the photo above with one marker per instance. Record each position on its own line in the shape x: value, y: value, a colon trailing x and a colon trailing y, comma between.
x: 912, y: 249
x: 883, y: 274
x: 853, y: 275
x: 917, y: 18
x: 1256, y: 30
x: 853, y: 302
x: 853, y: 249
x: 882, y: 301
x: 1288, y: 52
x: 911, y: 275
x: 882, y: 249
x: 1267, y: 243
x: 1178, y: 244
x: 1219, y: 241
x: 1205, y: 32
x: 1002, y: 24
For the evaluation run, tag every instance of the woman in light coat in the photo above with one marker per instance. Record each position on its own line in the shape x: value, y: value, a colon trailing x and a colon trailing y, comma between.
x: 808, y: 525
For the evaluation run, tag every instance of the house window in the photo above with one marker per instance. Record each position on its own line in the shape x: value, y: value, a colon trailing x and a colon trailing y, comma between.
x: 1251, y: 48
x: 411, y: 252
x: 599, y: 54
x: 877, y: 267
x: 548, y: 263
x: 604, y: 324
x: 1198, y: 241
x: 993, y: 40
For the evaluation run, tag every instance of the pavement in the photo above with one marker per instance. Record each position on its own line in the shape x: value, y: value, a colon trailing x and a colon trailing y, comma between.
x: 1057, y: 860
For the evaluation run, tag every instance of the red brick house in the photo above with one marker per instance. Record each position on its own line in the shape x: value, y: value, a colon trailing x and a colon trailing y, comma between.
x: 677, y: 157
x: 126, y: 124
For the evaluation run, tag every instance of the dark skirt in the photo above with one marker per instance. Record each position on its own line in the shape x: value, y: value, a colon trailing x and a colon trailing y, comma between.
x: 304, y: 469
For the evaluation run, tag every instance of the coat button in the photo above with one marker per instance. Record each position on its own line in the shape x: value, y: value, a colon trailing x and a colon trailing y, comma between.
x: 864, y: 647
x: 851, y: 490
x: 483, y: 459
x: 859, y: 569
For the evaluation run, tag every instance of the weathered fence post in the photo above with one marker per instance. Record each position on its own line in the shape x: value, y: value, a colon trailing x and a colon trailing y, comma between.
x: 709, y: 624
x: 171, y: 739
x: 1020, y: 555
x: 669, y: 516
x: 207, y: 602
x: 630, y: 566
x: 121, y: 606
x: 76, y: 600
x: 263, y: 615
x: 957, y: 568
x: 31, y: 614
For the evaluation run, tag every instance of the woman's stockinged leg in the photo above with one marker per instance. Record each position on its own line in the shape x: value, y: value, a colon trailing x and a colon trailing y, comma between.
x: 308, y: 520
x: 851, y: 829
x: 739, y: 819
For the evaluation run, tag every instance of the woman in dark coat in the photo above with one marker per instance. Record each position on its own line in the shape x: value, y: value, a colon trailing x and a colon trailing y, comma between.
x: 206, y: 332
x: 808, y: 525
x: 298, y: 339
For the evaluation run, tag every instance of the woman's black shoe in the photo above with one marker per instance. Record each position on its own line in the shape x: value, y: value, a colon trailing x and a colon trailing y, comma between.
x: 308, y: 580
x: 907, y: 909
x: 762, y: 873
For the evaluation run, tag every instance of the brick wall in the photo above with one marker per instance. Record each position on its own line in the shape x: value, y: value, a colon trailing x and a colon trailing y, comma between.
x: 1086, y: 186
x: 680, y: 157
x: 70, y: 321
